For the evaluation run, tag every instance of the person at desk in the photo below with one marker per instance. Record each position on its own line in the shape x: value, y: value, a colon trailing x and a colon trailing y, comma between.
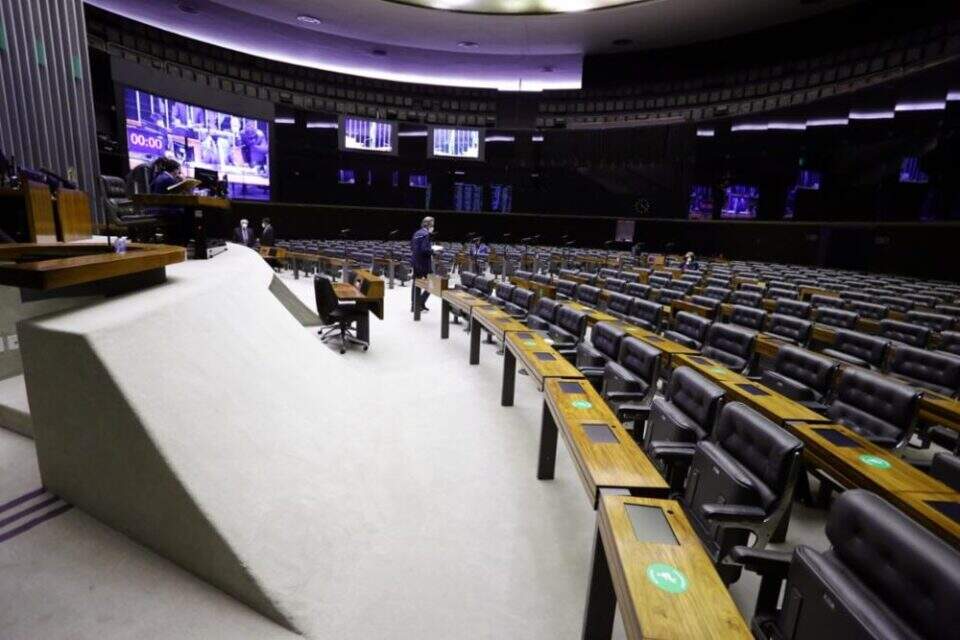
x: 176, y: 222
x: 421, y: 258
x: 167, y: 174
x: 479, y: 252
x: 690, y: 262
x: 244, y: 234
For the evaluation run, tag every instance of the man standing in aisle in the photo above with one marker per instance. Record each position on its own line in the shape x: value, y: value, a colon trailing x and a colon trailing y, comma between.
x: 421, y: 257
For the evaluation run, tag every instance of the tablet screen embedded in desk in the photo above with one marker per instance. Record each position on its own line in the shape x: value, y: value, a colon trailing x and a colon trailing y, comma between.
x: 545, y: 357
x: 753, y: 389
x: 524, y: 336
x: 600, y: 433
x: 571, y: 387
x: 949, y: 509
x: 837, y: 438
x: 650, y: 525
x: 701, y: 360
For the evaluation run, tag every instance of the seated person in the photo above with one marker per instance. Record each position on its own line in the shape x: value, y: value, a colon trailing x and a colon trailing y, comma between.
x: 167, y: 174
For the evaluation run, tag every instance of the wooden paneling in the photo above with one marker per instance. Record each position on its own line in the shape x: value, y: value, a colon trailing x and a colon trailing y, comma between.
x: 39, y: 207
x: 73, y: 215
x: 497, y: 321
x: 525, y: 345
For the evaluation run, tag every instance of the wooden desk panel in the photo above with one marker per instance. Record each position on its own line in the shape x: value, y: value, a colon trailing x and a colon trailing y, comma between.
x: 668, y: 347
x: 39, y: 207
x: 73, y: 215
x: 698, y: 606
x: 616, y: 463
x: 462, y: 301
x: 921, y: 508
x: 349, y: 293
x: 435, y: 284
x: 940, y: 410
x: 768, y: 346
x: 180, y: 200
x: 775, y: 406
x: 497, y: 321
x: 690, y: 307
x: 712, y: 369
x: 593, y: 315
x: 525, y: 344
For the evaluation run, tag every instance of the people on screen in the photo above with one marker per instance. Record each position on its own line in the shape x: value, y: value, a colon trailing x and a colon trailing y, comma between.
x: 167, y: 174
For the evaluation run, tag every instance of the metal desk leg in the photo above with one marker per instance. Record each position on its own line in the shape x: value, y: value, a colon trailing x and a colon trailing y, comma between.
x: 509, y: 378
x: 296, y: 268
x: 393, y: 269
x: 474, y: 341
x: 363, y: 326
x: 548, y: 445
x: 601, y: 598
x: 444, y: 320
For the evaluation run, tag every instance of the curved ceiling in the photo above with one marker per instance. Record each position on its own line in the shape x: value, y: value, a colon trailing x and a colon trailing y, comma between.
x: 392, y: 40
x: 518, y: 6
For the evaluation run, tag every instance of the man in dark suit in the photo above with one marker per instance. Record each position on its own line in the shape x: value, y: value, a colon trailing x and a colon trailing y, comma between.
x: 167, y: 174
x: 244, y: 234
x: 421, y: 258
x: 268, y: 237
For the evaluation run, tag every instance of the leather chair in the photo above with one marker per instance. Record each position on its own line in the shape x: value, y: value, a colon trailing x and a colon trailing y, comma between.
x: 482, y: 286
x: 820, y: 300
x: 749, y: 317
x: 752, y: 287
x: 730, y: 345
x: 684, y: 416
x: 802, y: 375
x: 948, y: 310
x: 852, y: 296
x: 936, y: 321
x: 637, y: 290
x: 712, y: 305
x: 466, y: 280
x: 336, y: 317
x: 787, y: 294
x: 869, y: 310
x: 747, y: 299
x: 646, y: 314
x: 937, y: 372
x: 861, y: 349
x: 720, y: 294
x: 795, y: 308
x: 896, y: 303
x: 666, y: 296
x: 523, y: 275
x: 950, y: 342
x: 618, y: 305
x: 923, y: 300
x: 542, y: 278
x: 567, y: 331
x: 607, y: 273
x: 604, y: 346
x: 689, y: 329
x: 691, y: 277
x: 630, y: 383
x: 946, y: 468
x: 879, y: 408
x: 566, y: 289
x: 544, y: 314
x: 837, y: 317
x: 568, y: 274
x: 614, y: 284
x: 741, y: 482
x: 521, y: 303
x: 122, y: 215
x: 789, y: 328
x: 659, y: 281
x: 914, y: 335
x: 588, y: 295
x: 716, y: 281
x: 886, y: 577
x: 685, y: 288
x: 502, y: 294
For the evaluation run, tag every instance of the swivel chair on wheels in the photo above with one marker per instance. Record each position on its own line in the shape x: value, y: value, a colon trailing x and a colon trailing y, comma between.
x: 337, y: 317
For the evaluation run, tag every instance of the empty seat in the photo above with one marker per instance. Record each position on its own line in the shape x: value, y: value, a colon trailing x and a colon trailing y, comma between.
x: 618, y: 304
x: 588, y: 295
x: 879, y: 408
x: 711, y: 305
x: 689, y: 329
x: 720, y: 282
x: 730, y: 345
x: 926, y: 369
x: 790, y: 328
x: 566, y: 289
x: 659, y: 281
x: 747, y: 299
x: 950, y: 342
x: 684, y: 416
x: 637, y: 290
x: 861, y: 349
x: 748, y: 317
x: 856, y: 296
x: 666, y: 296
x: 846, y: 592
x: 915, y: 335
x: 740, y: 483
x: 544, y: 314
x: 521, y: 303
x: 787, y: 294
x: 542, y: 278
x: 719, y: 294
x: 522, y: 275
x: 751, y: 287
x: 802, y: 375
x: 503, y: 294
x: 869, y: 310
x: 820, y: 300
x: 614, y: 284
x: 567, y: 331
x: 646, y: 314
x: 607, y: 273
x: 466, y: 279
x: 482, y: 286
x: 837, y: 317
x: 795, y: 308
x: 567, y: 274
x: 603, y: 346
x: 923, y: 299
x: 685, y: 288
x: 630, y: 383
x: 896, y: 303
x: 948, y: 310
x: 936, y: 321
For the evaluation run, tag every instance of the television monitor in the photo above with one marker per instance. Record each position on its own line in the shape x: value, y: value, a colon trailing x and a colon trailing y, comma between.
x: 910, y: 171
x: 419, y: 181
x: 365, y: 134
x: 460, y: 143
x: 235, y: 147
x: 347, y: 176
x: 809, y: 179
x: 740, y: 202
x: 701, y: 202
x: 467, y: 196
x: 501, y: 198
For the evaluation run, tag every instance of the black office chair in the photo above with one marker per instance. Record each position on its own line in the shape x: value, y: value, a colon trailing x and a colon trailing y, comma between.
x: 604, y: 346
x: 503, y: 293
x: 567, y: 331
x: 886, y: 577
x: 937, y: 372
x: 790, y: 329
x: 544, y: 314
x: 566, y: 289
x: 946, y: 468
x: 630, y: 383
x: 744, y: 298
x: 778, y: 293
x: 720, y: 294
x: 832, y: 302
x: 336, y: 317
x: 802, y: 375
x: 712, y: 305
x: 123, y: 217
x: 936, y: 321
x: 666, y: 296
x: 618, y: 305
x: 950, y: 342
x: 646, y: 314
x: 482, y: 286
x: 689, y: 329
x: 914, y: 335
x: 896, y: 303
x: 588, y: 295
x: 879, y: 408
x: 521, y: 303
x: 684, y: 416
x: 795, y: 308
x: 637, y: 290
x: 748, y: 317
x: 741, y: 482
x: 870, y: 310
x: 466, y: 280
x: 838, y: 318
x: 860, y: 349
x: 614, y: 284
x: 730, y: 345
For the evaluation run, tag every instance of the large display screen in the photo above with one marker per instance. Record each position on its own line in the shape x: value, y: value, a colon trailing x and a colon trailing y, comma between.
x: 237, y: 148
x: 910, y: 171
x: 701, y: 202
x: 458, y: 143
x: 741, y: 201
x: 364, y: 134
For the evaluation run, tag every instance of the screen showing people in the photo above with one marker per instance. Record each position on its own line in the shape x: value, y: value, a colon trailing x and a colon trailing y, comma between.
x: 363, y: 134
x: 701, y: 202
x: 741, y: 201
x: 463, y: 144
x: 235, y: 147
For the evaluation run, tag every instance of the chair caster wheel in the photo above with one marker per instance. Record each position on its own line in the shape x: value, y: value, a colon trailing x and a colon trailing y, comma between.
x: 342, y: 351
x: 365, y: 347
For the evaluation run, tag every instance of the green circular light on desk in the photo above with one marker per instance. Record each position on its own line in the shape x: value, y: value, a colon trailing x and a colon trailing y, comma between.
x: 530, y: 343
x: 874, y: 461
x: 581, y: 404
x: 667, y: 577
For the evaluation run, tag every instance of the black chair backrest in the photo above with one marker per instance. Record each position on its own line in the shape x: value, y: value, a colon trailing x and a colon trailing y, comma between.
x: 637, y: 290
x: 747, y: 299
x: 640, y: 359
x: 708, y: 303
x: 606, y: 338
x: 523, y: 275
x: 748, y: 317
x: 915, y: 335
x: 806, y: 367
x: 668, y: 295
x: 571, y: 321
x: 895, y: 302
x: 467, y: 278
x: 837, y: 317
x: 587, y: 294
x: 717, y: 293
x: 785, y: 294
x: 820, y: 300
x: 948, y: 310
x: 928, y: 369
x: 505, y: 291
x: 566, y: 287
x: 946, y: 469
x: 923, y: 299
x: 691, y: 325
x: 568, y: 274
x: 523, y: 298
x: 875, y: 406
x: 697, y: 397
x: 619, y: 303
x: 114, y: 188
x: 541, y: 278
x: 615, y: 284
x: 936, y: 321
x: 790, y: 327
x: 326, y: 298
x: 751, y: 287
x: 546, y: 308
x: 856, y: 296
x: 864, y: 346
x: 870, y: 310
x: 715, y: 281
x: 659, y: 281
x: 795, y: 308
x: 650, y: 313
x: 950, y: 342
x: 731, y: 345
x: 766, y: 450
x: 863, y: 527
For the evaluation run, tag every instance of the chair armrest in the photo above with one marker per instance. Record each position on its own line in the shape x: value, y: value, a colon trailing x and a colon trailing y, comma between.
x: 732, y: 513
x: 625, y: 396
x: 774, y: 564
x: 673, y: 452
